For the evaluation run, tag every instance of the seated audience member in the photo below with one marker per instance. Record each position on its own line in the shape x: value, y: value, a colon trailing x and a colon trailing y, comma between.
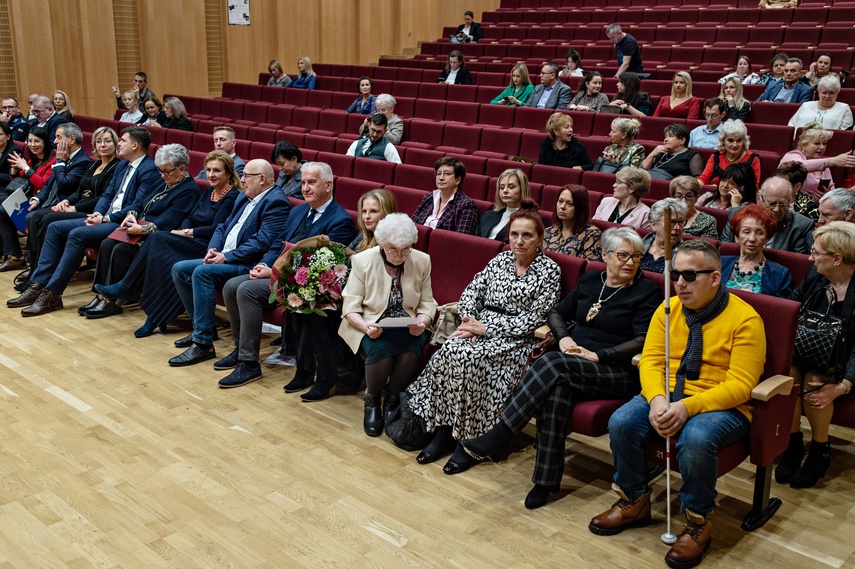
x: 722, y: 363
x: 794, y: 230
x: 37, y: 168
x: 469, y: 30
x: 698, y: 223
x: 375, y: 145
x: 753, y: 226
x: 447, y: 207
x: 809, y: 151
x: 590, y: 97
x: 833, y: 255
x: 624, y: 150
x: 673, y: 158
x: 627, y: 50
x: 777, y: 69
x: 680, y: 104
x: 140, y: 88
x: 573, y: 65
x: 706, y: 135
x: 364, y: 103
x: 239, y: 244
x: 63, y: 105
x: 46, y: 117
x: 819, y: 69
x: 511, y: 189
x: 289, y: 159
x: 789, y: 89
x: 133, y: 185
x: 385, y: 104
x: 277, y: 75
x: 176, y: 115
x: 736, y: 107
x: 31, y: 100
x: 559, y: 148
x: 18, y: 123
x: 465, y: 383
x: 314, y: 339
x: 837, y: 205
x: 6, y: 148
x: 454, y: 72
x: 82, y: 202
x: 738, y: 184
x: 571, y: 233
x: 372, y: 206
x: 164, y: 211
x: 390, y: 280
x: 150, y: 274
x: 153, y: 112
x: 731, y: 148
x: 306, y: 78
x: 654, y: 243
x: 765, y: 4
x: 630, y: 97
x: 624, y: 205
x: 612, y: 311
x: 519, y: 90
x: 826, y: 110
x: 551, y: 93
x: 133, y: 114
x: 795, y: 172
x: 224, y: 139
x: 743, y: 73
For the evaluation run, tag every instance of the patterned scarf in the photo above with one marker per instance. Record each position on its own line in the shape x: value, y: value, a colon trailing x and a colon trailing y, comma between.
x: 690, y: 363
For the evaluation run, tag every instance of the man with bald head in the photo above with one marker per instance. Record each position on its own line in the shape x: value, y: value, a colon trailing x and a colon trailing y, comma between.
x: 255, y: 225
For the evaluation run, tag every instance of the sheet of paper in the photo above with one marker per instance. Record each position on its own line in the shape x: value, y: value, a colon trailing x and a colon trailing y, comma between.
x: 17, y: 207
x: 402, y: 322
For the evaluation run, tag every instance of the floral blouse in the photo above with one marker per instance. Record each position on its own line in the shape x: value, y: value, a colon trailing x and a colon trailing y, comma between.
x: 585, y: 244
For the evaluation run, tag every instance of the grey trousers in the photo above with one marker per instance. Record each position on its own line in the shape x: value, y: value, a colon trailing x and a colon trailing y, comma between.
x: 245, y: 302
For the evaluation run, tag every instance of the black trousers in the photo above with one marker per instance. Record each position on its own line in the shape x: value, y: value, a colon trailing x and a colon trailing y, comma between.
x: 114, y: 260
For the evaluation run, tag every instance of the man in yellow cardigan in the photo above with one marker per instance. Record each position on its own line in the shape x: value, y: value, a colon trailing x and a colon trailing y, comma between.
x: 718, y: 349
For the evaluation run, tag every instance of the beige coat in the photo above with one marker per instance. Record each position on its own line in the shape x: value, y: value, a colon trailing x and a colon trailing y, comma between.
x: 368, y: 287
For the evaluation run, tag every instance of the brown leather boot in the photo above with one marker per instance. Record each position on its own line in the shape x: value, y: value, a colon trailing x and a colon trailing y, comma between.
x: 48, y: 301
x: 29, y: 296
x: 622, y: 515
x: 692, y: 543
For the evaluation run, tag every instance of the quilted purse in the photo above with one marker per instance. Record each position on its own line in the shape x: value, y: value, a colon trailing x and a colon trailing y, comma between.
x: 818, y: 337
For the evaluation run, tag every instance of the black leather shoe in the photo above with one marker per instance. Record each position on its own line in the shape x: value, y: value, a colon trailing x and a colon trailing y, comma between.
x: 437, y: 449
x: 244, y: 373
x: 94, y: 303
x: 187, y: 340
x: 193, y: 355
x: 460, y: 461
x: 319, y: 391
x: 228, y: 362
x: 539, y: 496
x: 372, y: 422
x: 302, y: 380
x: 110, y: 308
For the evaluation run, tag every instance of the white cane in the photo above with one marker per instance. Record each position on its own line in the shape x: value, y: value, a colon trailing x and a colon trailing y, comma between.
x: 668, y: 537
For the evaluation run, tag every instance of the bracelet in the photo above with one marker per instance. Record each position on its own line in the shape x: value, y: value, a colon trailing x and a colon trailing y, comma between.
x: 847, y: 384
x: 185, y: 232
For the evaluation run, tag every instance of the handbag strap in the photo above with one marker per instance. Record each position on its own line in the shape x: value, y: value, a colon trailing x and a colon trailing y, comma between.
x: 824, y: 290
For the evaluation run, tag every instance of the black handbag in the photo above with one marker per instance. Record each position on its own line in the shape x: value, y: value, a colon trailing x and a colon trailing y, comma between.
x: 18, y: 183
x: 607, y: 166
x: 406, y: 429
x: 819, y: 337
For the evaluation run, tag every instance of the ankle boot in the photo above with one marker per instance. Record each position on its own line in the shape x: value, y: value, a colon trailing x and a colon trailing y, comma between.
x: 372, y: 422
x: 695, y: 540
x: 791, y: 460
x: 817, y: 462
x: 622, y: 515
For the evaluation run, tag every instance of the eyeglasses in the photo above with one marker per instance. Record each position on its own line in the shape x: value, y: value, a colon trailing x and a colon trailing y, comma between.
x: 402, y: 252
x: 689, y: 275
x: 38, y: 111
x: 623, y: 256
x: 444, y: 174
x: 815, y: 253
x: 248, y: 175
x: 166, y: 172
x: 684, y: 197
x: 776, y: 205
x: 712, y: 115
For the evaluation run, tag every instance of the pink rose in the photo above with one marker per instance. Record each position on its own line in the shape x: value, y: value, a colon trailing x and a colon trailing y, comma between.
x: 327, y: 277
x: 302, y: 276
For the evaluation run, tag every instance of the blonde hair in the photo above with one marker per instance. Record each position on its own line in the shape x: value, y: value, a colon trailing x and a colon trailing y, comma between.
x: 525, y: 79
x: 67, y: 107
x: 687, y: 78
x: 556, y: 121
x: 308, y: 63
x: 837, y: 237
x: 522, y: 180
x: 386, y: 200
x: 228, y: 166
x: 738, y: 100
x: 813, y: 132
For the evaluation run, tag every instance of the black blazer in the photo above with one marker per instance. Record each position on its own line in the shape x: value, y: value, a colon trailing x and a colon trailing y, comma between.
x: 463, y: 77
x: 64, y: 180
x: 489, y: 219
x: 475, y: 31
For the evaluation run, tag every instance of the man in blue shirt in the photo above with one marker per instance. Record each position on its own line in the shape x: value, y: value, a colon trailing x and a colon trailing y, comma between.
x: 706, y: 135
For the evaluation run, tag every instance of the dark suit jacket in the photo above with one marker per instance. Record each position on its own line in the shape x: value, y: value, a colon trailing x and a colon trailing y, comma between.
x: 802, y: 95
x: 794, y: 233
x: 262, y: 229
x: 475, y: 31
x: 335, y: 223
x: 20, y: 127
x: 559, y: 99
x: 489, y: 219
x: 463, y: 77
x: 144, y: 181
x: 65, y: 179
x: 170, y: 209
x: 774, y: 281
x: 50, y: 126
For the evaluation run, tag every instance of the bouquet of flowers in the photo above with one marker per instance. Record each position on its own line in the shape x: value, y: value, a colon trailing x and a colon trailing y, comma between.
x: 310, y: 276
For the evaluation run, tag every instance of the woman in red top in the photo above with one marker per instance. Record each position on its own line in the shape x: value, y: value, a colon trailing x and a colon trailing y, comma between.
x: 732, y: 148
x: 681, y: 104
x: 38, y: 168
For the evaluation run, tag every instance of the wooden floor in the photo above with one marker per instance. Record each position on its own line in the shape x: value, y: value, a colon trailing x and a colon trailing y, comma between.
x: 110, y: 458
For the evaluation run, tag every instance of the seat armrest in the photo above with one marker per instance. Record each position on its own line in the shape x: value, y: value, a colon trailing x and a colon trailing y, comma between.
x: 542, y: 333
x: 772, y: 386
x: 636, y: 359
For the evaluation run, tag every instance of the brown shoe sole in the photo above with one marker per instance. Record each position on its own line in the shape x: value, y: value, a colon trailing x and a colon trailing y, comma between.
x: 688, y: 564
x: 644, y: 522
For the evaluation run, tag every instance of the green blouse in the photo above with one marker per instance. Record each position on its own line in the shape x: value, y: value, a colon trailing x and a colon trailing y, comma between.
x: 521, y: 94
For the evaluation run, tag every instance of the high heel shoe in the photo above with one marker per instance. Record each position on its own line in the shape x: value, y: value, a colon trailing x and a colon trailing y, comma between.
x: 116, y: 291
x: 147, y: 329
x: 319, y: 391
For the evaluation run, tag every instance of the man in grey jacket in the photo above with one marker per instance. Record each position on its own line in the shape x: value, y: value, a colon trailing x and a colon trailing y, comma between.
x: 551, y: 93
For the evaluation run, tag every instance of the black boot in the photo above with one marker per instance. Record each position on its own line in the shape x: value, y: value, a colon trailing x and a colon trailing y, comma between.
x: 817, y: 462
x: 492, y: 444
x: 791, y: 460
x: 373, y: 420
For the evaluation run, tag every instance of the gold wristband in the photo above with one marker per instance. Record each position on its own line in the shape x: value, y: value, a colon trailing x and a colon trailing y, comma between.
x: 847, y: 384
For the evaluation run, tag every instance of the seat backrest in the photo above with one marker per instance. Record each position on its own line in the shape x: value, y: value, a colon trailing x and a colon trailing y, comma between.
x: 455, y: 259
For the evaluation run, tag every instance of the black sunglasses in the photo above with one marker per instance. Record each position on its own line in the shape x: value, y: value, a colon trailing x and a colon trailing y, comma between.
x: 689, y: 276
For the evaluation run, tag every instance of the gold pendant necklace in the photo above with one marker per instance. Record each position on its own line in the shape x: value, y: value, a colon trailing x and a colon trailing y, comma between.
x: 597, y: 306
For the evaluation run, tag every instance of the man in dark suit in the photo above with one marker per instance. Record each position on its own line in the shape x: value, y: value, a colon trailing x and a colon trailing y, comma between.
x: 135, y: 181
x: 551, y: 93
x: 46, y: 116
x: 789, y: 89
x: 254, y: 228
x: 17, y: 121
x: 247, y: 296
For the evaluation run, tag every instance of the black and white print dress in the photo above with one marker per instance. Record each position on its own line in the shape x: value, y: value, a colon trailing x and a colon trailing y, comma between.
x: 466, y: 383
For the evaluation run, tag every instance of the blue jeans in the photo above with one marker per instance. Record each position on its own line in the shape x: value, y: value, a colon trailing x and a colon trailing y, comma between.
x: 696, y: 451
x: 65, y: 244
x: 197, y: 286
